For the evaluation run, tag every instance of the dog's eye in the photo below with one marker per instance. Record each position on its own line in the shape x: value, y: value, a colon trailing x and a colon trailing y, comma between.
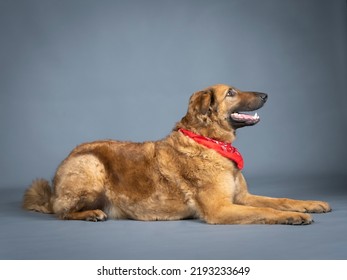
x: 231, y: 92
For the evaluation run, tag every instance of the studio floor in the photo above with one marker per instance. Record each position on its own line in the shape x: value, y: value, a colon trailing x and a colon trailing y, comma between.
x: 29, y: 235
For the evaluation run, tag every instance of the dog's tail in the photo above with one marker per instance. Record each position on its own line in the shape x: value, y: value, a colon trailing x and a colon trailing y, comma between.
x: 38, y: 197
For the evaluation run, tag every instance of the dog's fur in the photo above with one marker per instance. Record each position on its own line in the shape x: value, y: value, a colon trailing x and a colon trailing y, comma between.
x: 174, y: 178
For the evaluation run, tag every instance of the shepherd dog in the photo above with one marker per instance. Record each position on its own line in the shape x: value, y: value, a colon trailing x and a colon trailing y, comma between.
x: 193, y: 173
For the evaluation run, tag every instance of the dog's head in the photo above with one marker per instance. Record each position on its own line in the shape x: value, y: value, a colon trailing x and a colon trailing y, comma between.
x: 217, y: 111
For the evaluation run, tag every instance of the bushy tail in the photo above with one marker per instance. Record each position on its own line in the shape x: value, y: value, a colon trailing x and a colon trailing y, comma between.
x: 38, y: 197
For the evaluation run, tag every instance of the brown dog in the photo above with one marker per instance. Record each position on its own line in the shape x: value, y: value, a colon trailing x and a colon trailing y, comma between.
x: 192, y: 173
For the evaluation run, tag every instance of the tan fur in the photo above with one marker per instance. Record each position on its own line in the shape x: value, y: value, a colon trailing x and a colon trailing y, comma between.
x: 174, y: 178
x: 38, y: 197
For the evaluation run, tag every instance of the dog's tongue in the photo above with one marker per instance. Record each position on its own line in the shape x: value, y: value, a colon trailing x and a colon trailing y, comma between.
x: 245, y: 117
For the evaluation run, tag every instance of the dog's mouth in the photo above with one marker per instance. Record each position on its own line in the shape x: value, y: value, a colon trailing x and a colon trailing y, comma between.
x: 240, y: 115
x: 242, y: 118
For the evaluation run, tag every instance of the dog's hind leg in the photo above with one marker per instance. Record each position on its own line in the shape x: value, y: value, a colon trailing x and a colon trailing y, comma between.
x: 79, y: 192
x: 85, y: 207
x: 87, y: 215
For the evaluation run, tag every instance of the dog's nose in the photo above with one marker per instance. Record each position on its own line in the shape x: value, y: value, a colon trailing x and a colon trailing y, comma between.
x: 263, y: 96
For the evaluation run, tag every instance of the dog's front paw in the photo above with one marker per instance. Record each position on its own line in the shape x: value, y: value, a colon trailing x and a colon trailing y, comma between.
x: 293, y: 218
x: 316, y: 207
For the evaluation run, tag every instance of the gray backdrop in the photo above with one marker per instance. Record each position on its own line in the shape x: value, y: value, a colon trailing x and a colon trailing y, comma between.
x: 73, y: 71
x: 76, y: 71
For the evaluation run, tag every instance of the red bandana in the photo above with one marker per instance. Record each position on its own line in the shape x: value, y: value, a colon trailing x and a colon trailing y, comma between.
x: 225, y: 149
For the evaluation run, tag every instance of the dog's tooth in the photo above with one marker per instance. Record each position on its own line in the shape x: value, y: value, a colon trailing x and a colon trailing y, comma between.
x: 256, y: 115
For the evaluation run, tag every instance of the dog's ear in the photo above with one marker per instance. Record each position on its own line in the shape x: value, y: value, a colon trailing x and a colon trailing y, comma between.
x: 201, y: 101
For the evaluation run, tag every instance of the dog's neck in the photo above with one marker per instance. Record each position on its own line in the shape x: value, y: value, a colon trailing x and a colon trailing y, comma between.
x: 223, y: 148
x: 212, y: 130
x: 208, y: 126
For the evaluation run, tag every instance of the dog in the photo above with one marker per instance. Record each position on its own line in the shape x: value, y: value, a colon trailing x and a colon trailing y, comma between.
x: 194, y: 172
